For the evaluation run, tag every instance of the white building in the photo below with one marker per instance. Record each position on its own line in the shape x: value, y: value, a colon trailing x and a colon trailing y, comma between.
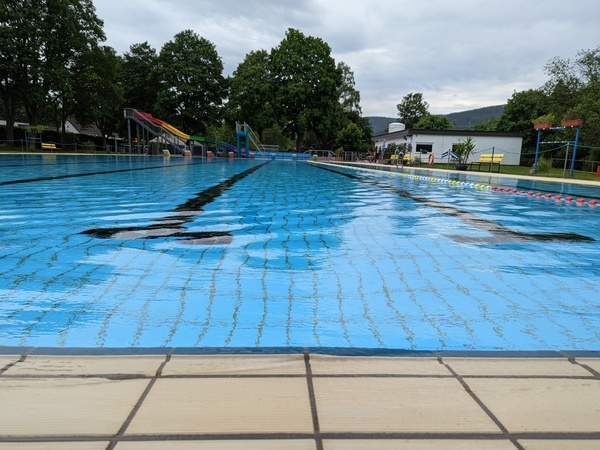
x: 422, y: 143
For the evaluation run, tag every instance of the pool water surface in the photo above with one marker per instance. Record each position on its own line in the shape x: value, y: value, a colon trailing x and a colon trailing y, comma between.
x: 107, y: 251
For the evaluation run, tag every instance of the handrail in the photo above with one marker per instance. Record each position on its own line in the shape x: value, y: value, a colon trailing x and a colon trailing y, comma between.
x: 244, y: 128
x: 158, y: 131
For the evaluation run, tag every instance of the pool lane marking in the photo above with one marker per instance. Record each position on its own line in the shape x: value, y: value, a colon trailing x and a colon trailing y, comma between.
x: 500, y: 233
x: 86, y: 174
x: 172, y: 225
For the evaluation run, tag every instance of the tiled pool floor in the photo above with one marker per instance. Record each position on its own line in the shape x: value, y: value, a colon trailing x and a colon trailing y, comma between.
x: 298, y: 401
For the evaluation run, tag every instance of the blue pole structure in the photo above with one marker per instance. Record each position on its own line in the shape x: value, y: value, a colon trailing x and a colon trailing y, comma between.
x: 537, y: 150
x: 574, y: 151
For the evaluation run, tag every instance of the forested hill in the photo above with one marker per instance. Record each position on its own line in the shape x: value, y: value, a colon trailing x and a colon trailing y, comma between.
x: 463, y: 119
x: 473, y: 117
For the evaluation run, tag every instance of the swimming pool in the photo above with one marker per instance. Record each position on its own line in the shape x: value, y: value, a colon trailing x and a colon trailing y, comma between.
x: 107, y: 251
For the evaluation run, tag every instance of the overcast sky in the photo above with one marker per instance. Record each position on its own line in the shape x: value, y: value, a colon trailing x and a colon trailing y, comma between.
x: 461, y: 54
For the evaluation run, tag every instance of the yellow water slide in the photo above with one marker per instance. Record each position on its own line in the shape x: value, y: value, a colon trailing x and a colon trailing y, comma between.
x: 171, y: 129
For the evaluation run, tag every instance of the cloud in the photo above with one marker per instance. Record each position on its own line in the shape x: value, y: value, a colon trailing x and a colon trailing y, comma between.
x: 461, y: 55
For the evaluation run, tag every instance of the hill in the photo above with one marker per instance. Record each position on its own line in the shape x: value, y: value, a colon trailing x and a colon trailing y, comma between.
x: 473, y: 117
x: 461, y: 120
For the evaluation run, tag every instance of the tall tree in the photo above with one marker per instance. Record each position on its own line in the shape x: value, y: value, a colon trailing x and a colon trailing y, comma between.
x: 519, y: 112
x: 40, y: 41
x: 412, y: 108
x: 62, y: 30
x: 574, y: 87
x: 349, y: 95
x: 250, y: 93
x: 139, y: 77
x: 192, y: 86
x: 306, y: 85
x: 14, y: 38
x: 99, y: 91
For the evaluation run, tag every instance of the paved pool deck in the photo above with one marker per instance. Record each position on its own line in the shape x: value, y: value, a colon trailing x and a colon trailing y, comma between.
x: 300, y: 401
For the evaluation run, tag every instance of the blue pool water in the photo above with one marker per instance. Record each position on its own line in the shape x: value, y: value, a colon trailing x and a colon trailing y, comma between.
x: 150, y: 252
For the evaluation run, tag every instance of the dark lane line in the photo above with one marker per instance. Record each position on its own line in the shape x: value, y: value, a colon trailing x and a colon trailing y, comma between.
x: 87, y: 174
x: 172, y: 225
x: 500, y: 233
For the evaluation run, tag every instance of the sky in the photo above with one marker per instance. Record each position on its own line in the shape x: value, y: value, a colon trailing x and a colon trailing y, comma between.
x: 461, y: 54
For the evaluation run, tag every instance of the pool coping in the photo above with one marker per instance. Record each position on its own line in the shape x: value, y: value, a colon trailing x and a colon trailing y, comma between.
x: 475, y: 174
x: 333, y: 351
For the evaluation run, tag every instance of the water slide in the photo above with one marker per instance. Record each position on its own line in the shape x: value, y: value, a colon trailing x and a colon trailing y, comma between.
x: 147, y: 117
x: 161, y: 123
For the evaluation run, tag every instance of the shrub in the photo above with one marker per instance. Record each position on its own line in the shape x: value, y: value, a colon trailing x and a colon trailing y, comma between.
x: 544, y: 165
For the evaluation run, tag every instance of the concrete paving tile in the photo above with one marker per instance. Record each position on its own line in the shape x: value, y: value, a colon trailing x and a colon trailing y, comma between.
x: 54, y: 445
x: 6, y: 360
x: 541, y: 405
x: 594, y: 363
x: 540, y: 444
x: 397, y: 405
x: 414, y: 444
x: 515, y: 367
x: 336, y: 365
x: 224, y: 405
x: 235, y: 365
x: 275, y: 444
x: 51, y: 406
x: 87, y: 365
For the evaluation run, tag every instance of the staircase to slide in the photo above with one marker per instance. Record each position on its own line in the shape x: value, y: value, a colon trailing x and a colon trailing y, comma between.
x: 165, y: 133
x: 243, y: 131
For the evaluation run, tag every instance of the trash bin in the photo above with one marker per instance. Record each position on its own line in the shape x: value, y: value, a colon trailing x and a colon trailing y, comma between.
x: 598, y: 171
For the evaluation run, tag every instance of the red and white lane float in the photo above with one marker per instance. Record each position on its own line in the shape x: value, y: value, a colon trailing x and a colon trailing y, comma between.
x: 558, y: 198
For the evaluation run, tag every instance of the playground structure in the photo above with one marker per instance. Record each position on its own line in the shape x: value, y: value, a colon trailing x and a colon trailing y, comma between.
x: 245, y: 136
x: 542, y: 128
x: 172, y: 140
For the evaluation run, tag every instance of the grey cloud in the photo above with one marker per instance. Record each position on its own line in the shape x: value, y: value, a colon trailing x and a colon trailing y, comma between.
x: 464, y: 54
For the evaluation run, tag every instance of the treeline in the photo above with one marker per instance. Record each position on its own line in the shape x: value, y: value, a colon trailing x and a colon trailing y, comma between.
x: 572, y: 90
x: 53, y: 66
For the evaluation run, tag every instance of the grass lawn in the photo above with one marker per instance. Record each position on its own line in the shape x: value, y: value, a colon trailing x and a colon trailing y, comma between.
x: 525, y: 170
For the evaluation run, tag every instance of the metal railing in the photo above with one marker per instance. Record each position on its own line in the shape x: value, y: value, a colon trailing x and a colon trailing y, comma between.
x: 162, y: 135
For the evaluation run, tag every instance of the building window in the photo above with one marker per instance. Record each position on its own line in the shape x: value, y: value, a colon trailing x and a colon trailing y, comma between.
x: 424, y: 148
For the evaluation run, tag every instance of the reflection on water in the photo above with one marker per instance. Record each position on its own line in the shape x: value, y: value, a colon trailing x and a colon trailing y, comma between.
x: 147, y: 252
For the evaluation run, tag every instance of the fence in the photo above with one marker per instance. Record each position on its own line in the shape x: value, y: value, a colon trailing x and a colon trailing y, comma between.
x: 69, y: 147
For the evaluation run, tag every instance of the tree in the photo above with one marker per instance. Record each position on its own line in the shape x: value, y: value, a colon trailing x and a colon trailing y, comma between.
x: 192, y: 86
x: 139, y: 77
x: 563, y: 86
x: 350, y: 137
x: 367, y: 131
x: 306, y: 85
x: 463, y: 150
x: 101, y: 95
x: 61, y: 31
x: 250, y: 92
x: 434, y: 122
x: 412, y: 109
x: 14, y: 34
x: 489, y: 124
x: 349, y: 96
x: 586, y: 68
x: 520, y: 110
x: 39, y: 44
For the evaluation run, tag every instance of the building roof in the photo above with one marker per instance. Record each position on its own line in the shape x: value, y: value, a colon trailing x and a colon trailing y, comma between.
x: 90, y: 130
x: 416, y: 131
